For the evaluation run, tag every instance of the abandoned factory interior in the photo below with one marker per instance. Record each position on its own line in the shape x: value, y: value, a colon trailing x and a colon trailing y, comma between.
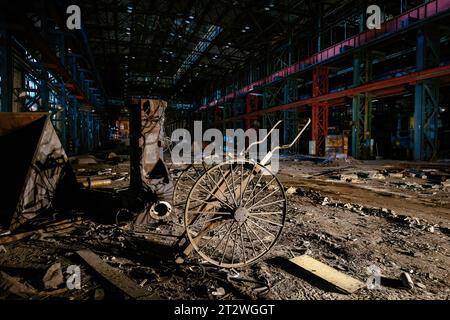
x: 212, y: 150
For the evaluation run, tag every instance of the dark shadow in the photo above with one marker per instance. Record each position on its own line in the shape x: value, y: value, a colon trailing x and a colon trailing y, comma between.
x: 391, y: 283
x: 20, y: 147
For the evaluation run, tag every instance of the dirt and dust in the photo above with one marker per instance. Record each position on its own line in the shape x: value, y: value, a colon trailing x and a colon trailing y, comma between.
x: 348, y: 215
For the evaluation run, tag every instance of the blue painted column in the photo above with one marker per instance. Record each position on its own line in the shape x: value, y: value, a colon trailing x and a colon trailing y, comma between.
x: 426, y: 97
x: 62, y: 98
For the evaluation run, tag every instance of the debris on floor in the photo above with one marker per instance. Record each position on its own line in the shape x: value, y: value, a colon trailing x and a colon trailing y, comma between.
x: 115, y: 277
x: 10, y: 286
x: 60, y: 227
x: 407, y: 282
x: 346, y: 225
x: 53, y: 278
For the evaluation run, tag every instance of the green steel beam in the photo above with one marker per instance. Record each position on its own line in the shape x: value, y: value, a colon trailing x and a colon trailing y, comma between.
x: 361, y: 107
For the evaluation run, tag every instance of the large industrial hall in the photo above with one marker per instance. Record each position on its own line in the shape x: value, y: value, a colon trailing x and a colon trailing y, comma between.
x: 222, y: 150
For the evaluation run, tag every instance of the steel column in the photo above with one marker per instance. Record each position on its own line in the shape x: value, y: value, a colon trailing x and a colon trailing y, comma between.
x: 361, y: 107
x: 426, y: 105
x: 6, y: 72
x: 290, y: 116
x: 270, y: 99
x: 74, y: 125
x: 62, y: 98
x: 252, y: 103
x: 320, y: 86
x: 43, y: 90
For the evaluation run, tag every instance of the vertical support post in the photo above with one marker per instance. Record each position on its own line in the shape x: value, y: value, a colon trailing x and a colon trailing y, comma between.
x: 426, y: 98
x: 362, y: 22
x: 252, y: 103
x: 62, y: 97
x: 64, y: 116
x: 83, y: 132
x: 269, y: 99
x: 43, y: 90
x: 403, y: 6
x: 248, y: 109
x: 362, y: 107
x: 290, y: 116
x: 74, y: 110
x: 319, y: 27
x: 6, y: 73
x: 135, y: 149
x: 320, y: 87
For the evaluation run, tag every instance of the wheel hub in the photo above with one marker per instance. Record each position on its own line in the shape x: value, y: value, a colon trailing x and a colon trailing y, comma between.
x: 241, y: 214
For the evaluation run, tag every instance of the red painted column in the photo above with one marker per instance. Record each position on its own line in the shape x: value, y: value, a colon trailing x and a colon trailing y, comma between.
x: 320, y: 86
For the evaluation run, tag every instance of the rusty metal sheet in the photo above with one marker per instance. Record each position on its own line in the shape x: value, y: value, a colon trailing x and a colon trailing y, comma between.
x: 32, y: 163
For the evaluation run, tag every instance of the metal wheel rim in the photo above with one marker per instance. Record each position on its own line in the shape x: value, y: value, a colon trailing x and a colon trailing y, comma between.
x: 254, y: 236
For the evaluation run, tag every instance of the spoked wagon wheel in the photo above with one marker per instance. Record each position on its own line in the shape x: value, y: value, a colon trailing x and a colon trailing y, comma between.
x: 235, y: 213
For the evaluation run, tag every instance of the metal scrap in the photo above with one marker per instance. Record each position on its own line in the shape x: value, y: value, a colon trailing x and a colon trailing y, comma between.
x: 64, y: 226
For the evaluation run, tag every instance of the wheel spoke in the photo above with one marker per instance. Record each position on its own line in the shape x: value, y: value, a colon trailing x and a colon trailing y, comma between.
x: 266, y: 213
x: 242, y: 243
x: 199, y: 175
x: 234, y: 247
x: 212, y: 212
x: 232, y: 176
x: 268, y: 221
x: 197, y: 206
x: 242, y: 182
x: 261, y: 228
x: 263, y: 188
x: 253, y: 190
x: 226, y: 246
x: 267, y: 204
x: 249, y: 238
x: 209, y: 220
x: 250, y: 179
x: 226, y: 233
x: 218, y: 188
x: 269, y: 195
x: 209, y: 240
x: 228, y: 187
x: 221, y: 201
x: 192, y: 179
x: 257, y: 236
x: 210, y: 193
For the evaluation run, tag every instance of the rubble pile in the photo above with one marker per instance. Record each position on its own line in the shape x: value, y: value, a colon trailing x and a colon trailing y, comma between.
x: 372, y: 211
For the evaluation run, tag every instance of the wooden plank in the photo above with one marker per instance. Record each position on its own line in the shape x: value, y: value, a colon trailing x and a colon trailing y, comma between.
x: 116, y: 278
x: 338, y: 279
x: 65, y: 226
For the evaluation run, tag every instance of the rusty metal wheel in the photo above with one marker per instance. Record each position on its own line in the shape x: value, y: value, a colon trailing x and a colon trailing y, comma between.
x: 235, y: 213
